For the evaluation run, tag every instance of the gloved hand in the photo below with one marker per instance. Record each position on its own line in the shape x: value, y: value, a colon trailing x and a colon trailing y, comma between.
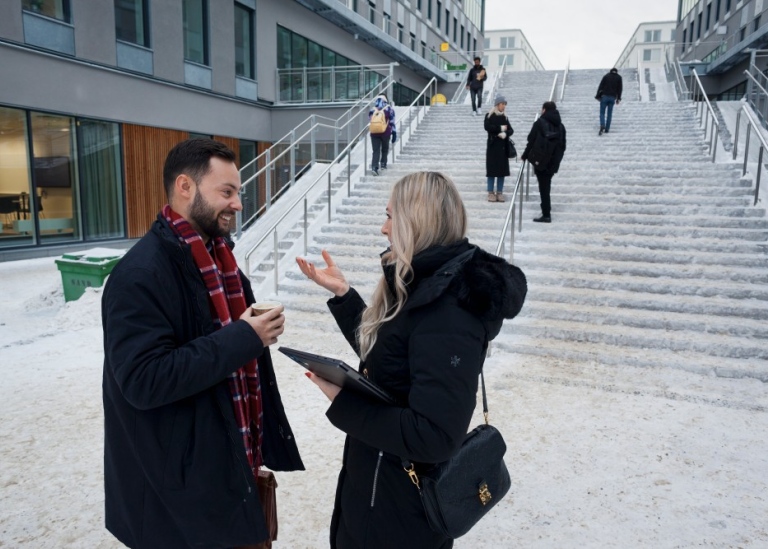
x: 502, y: 135
x: 394, y: 136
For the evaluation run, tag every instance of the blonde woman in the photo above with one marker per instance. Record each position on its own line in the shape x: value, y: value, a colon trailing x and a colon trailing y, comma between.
x: 422, y: 339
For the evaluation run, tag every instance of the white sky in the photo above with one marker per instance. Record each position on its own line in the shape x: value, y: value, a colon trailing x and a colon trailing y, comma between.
x: 592, y: 32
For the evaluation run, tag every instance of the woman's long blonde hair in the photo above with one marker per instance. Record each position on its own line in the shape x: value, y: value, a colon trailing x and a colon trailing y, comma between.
x: 426, y: 210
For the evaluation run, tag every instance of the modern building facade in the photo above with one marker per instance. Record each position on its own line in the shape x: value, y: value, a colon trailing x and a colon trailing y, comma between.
x: 648, y: 45
x: 511, y: 45
x: 718, y: 37
x: 95, y: 92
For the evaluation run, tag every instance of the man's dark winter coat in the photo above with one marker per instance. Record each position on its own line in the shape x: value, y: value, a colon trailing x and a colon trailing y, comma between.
x: 473, y: 81
x: 552, y: 118
x: 496, y: 151
x: 175, y: 470
x: 429, y: 358
x: 611, y: 84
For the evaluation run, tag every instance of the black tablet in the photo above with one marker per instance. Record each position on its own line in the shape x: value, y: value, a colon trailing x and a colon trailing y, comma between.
x: 337, y: 372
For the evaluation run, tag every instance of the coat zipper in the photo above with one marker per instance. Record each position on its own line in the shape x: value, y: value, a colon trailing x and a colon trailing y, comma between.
x: 242, y: 467
x: 376, y: 478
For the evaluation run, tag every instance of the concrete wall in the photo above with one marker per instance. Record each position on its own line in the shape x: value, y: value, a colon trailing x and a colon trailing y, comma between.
x: 10, y: 20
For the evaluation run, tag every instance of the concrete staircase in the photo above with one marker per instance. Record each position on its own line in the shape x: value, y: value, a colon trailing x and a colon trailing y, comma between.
x: 655, y: 257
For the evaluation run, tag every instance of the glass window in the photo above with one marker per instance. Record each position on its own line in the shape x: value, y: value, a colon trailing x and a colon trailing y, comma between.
x: 100, y: 179
x: 462, y: 36
x: 132, y: 21
x: 244, y: 42
x: 284, y: 48
x: 455, y: 29
x: 195, y: 14
x: 486, y: 43
x: 15, y: 178
x: 439, y: 11
x: 54, y: 202
x: 413, y: 42
x: 298, y: 51
x: 56, y: 9
x: 709, y: 15
x: 717, y: 9
x: 429, y: 9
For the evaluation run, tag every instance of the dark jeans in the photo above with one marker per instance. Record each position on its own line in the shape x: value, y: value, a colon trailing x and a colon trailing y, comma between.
x: 545, y: 184
x: 606, y: 104
x: 499, y: 184
x: 477, y: 96
x: 380, y: 146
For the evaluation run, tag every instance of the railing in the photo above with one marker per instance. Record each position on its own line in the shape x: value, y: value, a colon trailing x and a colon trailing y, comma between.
x: 326, y: 174
x: 757, y: 94
x: 499, y: 77
x: 277, y: 166
x: 554, y: 88
x: 703, y: 107
x: 418, y: 109
x: 752, y: 125
x: 672, y: 65
x: 565, y: 78
x: 327, y: 84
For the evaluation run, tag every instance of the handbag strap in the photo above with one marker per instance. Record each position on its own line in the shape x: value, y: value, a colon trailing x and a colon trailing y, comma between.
x: 485, y: 398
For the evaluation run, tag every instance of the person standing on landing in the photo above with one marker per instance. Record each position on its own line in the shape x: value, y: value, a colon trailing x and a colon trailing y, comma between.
x: 545, y: 150
x: 497, y: 149
x: 382, y: 128
x: 475, y: 79
x: 191, y: 405
x: 609, y: 94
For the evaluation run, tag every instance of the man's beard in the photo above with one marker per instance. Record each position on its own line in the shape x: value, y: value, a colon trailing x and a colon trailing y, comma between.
x: 206, y: 219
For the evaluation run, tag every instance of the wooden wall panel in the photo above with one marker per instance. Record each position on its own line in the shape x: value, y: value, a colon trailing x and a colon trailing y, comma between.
x: 145, y: 149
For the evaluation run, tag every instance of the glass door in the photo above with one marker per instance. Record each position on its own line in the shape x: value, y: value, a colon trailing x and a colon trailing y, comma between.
x: 16, y: 228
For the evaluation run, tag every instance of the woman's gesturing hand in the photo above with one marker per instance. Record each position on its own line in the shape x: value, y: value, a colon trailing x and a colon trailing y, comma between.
x: 331, y: 278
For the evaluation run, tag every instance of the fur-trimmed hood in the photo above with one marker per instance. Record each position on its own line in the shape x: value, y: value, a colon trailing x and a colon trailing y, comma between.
x: 484, y: 284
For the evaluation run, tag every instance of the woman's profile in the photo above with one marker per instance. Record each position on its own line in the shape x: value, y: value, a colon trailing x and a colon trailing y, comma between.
x: 423, y: 339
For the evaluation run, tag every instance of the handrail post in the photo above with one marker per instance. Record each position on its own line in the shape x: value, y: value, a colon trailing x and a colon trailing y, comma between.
x: 239, y: 224
x: 306, y: 224
x: 312, y: 140
x: 520, y: 198
x: 349, y: 173
x: 714, y: 142
x: 746, y: 150
x: 365, y: 155
x: 329, y: 196
x: 268, y: 181
x: 759, y: 172
x: 293, y: 157
x: 512, y: 235
x: 736, y: 135
x: 276, y: 260
x: 336, y: 139
x: 304, y: 85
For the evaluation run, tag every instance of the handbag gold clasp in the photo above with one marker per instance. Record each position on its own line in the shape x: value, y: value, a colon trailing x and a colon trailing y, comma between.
x: 412, y: 473
x: 484, y: 493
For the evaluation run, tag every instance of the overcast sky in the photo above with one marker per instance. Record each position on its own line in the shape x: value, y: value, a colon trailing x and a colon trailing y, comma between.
x: 592, y: 33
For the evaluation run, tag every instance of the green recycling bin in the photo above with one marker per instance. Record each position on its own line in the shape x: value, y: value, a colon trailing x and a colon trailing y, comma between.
x: 88, y: 269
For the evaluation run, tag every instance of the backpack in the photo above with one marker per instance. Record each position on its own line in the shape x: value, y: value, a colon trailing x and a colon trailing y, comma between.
x: 378, y: 123
x: 544, y: 146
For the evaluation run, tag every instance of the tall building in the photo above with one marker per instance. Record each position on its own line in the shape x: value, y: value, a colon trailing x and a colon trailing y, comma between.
x: 511, y: 45
x: 648, y: 45
x: 718, y: 38
x: 95, y: 92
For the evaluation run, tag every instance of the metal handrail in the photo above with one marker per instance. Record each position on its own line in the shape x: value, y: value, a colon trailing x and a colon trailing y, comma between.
x: 554, y: 87
x: 755, y: 82
x: 714, y: 128
x: 763, y: 146
x: 400, y: 133
x: 499, y: 74
x: 509, y: 221
x: 684, y: 91
x: 565, y: 77
x: 326, y: 173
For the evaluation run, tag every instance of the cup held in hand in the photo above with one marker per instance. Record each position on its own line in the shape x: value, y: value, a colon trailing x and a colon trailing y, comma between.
x: 263, y: 306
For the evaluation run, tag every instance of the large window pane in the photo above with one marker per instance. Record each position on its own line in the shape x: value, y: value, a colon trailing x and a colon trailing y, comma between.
x: 244, y: 42
x: 132, y: 21
x: 54, y: 177
x: 283, y: 48
x: 101, y: 179
x: 57, y: 9
x: 195, y: 13
x: 15, y: 184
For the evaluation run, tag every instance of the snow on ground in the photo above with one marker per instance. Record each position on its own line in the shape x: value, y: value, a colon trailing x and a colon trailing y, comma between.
x: 599, y: 456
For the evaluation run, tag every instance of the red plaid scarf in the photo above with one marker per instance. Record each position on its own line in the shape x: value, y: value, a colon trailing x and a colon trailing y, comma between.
x: 227, y: 300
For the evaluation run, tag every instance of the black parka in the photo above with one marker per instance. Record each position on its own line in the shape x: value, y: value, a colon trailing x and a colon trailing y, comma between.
x: 496, y: 150
x: 549, y: 120
x: 429, y: 358
x: 175, y: 470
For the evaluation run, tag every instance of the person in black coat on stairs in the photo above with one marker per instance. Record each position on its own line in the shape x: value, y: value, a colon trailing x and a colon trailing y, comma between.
x: 423, y: 339
x: 545, y: 150
x: 497, y: 148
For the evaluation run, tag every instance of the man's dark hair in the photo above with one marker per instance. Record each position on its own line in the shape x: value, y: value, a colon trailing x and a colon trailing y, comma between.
x: 614, y: 70
x: 193, y: 158
x: 477, y: 59
x: 549, y: 106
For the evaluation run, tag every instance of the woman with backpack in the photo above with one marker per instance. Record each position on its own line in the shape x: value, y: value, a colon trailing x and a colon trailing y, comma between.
x: 496, y: 152
x: 382, y: 128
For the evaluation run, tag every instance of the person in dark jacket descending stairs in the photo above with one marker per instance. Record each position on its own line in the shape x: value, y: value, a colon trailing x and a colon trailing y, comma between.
x: 423, y: 338
x: 191, y: 405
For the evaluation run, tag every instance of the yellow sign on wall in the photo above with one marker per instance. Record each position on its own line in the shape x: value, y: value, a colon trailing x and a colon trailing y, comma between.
x: 444, y: 46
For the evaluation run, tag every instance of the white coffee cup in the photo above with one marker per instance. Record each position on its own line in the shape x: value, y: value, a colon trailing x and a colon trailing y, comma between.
x: 263, y: 306
x: 503, y: 128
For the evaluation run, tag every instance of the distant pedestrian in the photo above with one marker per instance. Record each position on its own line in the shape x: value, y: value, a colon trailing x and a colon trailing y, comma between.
x: 545, y: 150
x: 496, y: 151
x: 609, y: 94
x: 382, y: 129
x: 475, y: 79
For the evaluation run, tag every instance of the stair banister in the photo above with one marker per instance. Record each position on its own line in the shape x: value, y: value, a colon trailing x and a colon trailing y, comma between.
x: 763, y: 95
x: 705, y: 108
x: 752, y: 124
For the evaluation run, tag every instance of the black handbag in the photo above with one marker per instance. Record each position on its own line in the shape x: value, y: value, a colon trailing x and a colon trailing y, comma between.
x: 511, y: 151
x: 457, y: 493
